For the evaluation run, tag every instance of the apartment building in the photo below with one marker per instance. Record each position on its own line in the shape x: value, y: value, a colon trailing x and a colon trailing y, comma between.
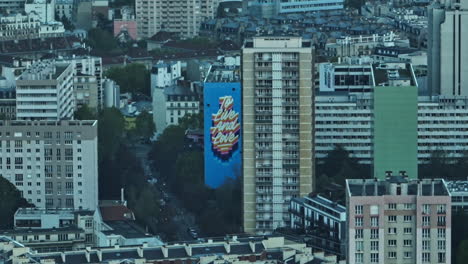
x: 277, y: 129
x: 271, y: 8
x: 397, y: 220
x: 322, y: 221
x: 459, y: 193
x: 172, y: 103
x: 85, y: 91
x: 182, y: 17
x: 447, y: 53
x: 347, y: 120
x: 89, y: 66
x: 165, y: 74
x: 19, y: 26
x: 11, y: 6
x: 44, y: 91
x: 43, y: 8
x: 52, y: 163
x: 64, y: 8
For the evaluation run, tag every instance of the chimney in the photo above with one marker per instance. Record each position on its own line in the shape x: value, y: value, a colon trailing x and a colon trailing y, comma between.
x: 140, y: 251
x: 234, y: 238
x: 188, y: 249
x: 252, y: 246
x: 99, y: 254
x: 62, y: 254
x: 116, y: 246
x: 165, y: 251
x: 122, y: 198
x: 227, y: 247
x: 145, y: 244
x: 87, y: 255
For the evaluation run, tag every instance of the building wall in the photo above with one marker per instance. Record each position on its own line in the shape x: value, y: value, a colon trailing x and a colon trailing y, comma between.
x: 48, y: 174
x: 85, y: 90
x: 395, y: 130
x: 44, y: 8
x: 277, y: 129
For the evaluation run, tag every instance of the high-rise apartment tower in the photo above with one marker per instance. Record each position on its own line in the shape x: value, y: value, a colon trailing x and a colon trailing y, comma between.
x: 278, y: 162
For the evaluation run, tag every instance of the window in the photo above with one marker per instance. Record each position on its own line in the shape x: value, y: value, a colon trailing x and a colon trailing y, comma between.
x: 374, y: 209
x: 374, y: 221
x: 407, y: 230
x: 359, y: 258
x: 89, y: 238
x: 441, y: 257
x: 358, y: 209
x: 392, y: 206
x: 359, y: 233
x: 407, y: 242
x: 426, y: 257
x: 358, y: 221
x: 426, y: 209
x: 359, y: 245
x: 392, y: 230
x: 441, y: 209
x: 392, y: 218
x: 392, y: 243
x: 407, y: 218
x: 426, y: 233
x: 407, y: 254
x: 392, y: 254
x: 374, y: 245
x: 374, y: 234
x: 441, y: 233
x: 441, y: 244
x: 426, y: 220
x: 440, y: 220
x: 374, y: 257
x: 63, y: 237
x: 88, y: 223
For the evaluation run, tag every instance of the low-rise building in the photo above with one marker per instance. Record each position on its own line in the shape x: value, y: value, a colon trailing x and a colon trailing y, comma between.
x: 322, y: 222
x: 85, y: 90
x: 172, y: 103
x: 165, y: 74
x: 398, y: 220
x: 271, y: 250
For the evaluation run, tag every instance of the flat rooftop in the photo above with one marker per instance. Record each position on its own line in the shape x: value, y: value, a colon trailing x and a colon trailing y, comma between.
x: 455, y: 187
x: 127, y: 229
x: 393, y: 74
x: 222, y: 73
x: 378, y: 187
x: 44, y: 70
x: 28, y: 123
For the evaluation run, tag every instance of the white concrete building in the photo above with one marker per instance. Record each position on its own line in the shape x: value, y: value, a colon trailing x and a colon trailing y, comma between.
x: 459, y: 193
x: 165, y: 74
x: 19, y: 26
x: 347, y: 120
x: 172, y: 103
x: 179, y: 16
x: 44, y: 91
x: 12, y: 6
x: 52, y: 163
x: 271, y: 8
x: 45, y: 9
x: 448, y: 53
x: 64, y: 8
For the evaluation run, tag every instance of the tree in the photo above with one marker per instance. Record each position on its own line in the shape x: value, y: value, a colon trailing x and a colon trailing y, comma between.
x: 133, y: 78
x: 462, y: 252
x: 67, y: 24
x: 85, y: 113
x: 191, y: 121
x: 110, y: 131
x: 103, y: 42
x: 189, y: 169
x: 166, y: 150
x: 10, y: 201
x: 144, y: 125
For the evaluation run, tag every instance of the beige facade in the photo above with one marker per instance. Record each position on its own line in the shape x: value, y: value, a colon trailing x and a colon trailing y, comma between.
x: 85, y: 90
x: 277, y: 79
x: 183, y: 17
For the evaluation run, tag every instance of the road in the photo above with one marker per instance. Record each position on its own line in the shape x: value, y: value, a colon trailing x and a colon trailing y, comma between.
x: 183, y: 218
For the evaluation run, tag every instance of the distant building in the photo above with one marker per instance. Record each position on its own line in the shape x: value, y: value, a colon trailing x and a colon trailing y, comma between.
x: 459, y: 193
x: 272, y: 8
x: 398, y: 220
x: 172, y: 103
x: 12, y: 6
x: 155, y: 16
x: 7, y: 99
x: 64, y: 8
x: 45, y: 9
x: 272, y: 250
x: 44, y: 91
x: 111, y: 93
x: 165, y: 74
x: 52, y: 163
x: 52, y: 230
x: 447, y: 53
x: 19, y: 26
x: 322, y: 222
x: 128, y: 26
x: 85, y: 91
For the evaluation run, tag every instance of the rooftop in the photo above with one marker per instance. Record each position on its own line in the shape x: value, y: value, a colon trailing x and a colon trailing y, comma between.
x: 393, y: 74
x: 223, y: 73
x: 44, y: 70
x: 127, y: 229
x: 389, y: 186
x: 28, y: 123
x: 457, y: 187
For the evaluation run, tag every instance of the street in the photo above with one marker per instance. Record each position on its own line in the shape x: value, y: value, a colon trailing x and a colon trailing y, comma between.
x: 183, y: 218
